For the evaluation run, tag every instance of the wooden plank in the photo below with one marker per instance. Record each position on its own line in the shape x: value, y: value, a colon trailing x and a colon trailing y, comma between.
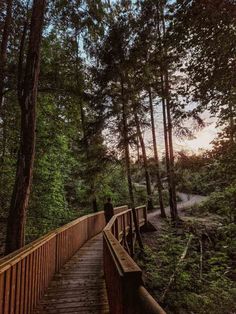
x: 26, y: 288
x: 23, y: 273
x: 1, y: 292
x: 18, y: 287
x: 79, y: 287
x: 22, y: 295
x: 31, y: 271
x: 33, y: 280
x: 36, y: 279
x: 7, y: 288
x: 13, y: 290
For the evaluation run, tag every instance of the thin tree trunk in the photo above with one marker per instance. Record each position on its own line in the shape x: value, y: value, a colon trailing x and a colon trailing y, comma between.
x: 171, y: 149
x: 138, y: 152
x: 167, y: 150
x: 3, y: 52
x: 165, y: 77
x: 24, y: 172
x: 165, y: 127
x: 231, y: 124
x: 4, y: 137
x: 145, y: 162
x: 20, y: 77
x: 127, y: 162
x: 159, y: 185
x: 94, y: 199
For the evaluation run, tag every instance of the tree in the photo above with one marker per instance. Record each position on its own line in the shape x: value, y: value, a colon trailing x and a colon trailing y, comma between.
x: 114, y: 81
x: 209, y: 56
x: 159, y: 54
x: 26, y: 154
x: 156, y: 158
x: 145, y: 160
x: 127, y: 159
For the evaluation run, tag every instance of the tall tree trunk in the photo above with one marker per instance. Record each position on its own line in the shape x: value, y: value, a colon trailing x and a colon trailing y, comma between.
x: 127, y: 163
x: 167, y: 115
x: 171, y: 149
x: 159, y: 22
x: 24, y: 172
x: 145, y: 162
x: 231, y: 124
x: 169, y: 120
x: 3, y: 117
x: 138, y: 152
x: 3, y: 52
x: 94, y: 198
x: 167, y: 157
x: 159, y: 185
x: 20, y: 78
x: 83, y: 126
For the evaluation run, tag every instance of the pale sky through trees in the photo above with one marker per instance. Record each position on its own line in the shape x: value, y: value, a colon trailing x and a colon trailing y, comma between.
x: 203, y: 137
x: 201, y: 141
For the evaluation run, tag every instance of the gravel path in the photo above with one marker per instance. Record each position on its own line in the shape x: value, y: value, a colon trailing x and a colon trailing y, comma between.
x: 187, y: 200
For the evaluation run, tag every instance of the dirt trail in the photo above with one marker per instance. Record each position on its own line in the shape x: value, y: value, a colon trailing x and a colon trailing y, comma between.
x: 187, y: 200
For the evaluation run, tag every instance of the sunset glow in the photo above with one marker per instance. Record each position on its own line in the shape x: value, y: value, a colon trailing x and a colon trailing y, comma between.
x: 202, y: 140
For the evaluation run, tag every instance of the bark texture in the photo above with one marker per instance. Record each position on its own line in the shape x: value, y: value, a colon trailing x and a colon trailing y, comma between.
x: 24, y: 172
x: 156, y: 157
x: 3, y: 51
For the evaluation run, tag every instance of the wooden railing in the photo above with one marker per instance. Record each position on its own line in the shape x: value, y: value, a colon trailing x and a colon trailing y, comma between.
x: 126, y: 293
x: 26, y: 273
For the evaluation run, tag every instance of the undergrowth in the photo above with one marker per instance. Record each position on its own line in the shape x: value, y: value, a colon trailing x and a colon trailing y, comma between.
x: 203, y: 280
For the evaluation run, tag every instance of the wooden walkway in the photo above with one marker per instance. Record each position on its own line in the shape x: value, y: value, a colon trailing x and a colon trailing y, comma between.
x: 79, y: 287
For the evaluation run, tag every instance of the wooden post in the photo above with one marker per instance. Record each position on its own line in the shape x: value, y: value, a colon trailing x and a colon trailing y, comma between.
x: 131, y: 234
x: 145, y: 215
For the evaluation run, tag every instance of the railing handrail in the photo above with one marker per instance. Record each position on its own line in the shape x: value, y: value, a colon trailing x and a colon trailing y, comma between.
x: 123, y: 259
x: 52, y: 247
x: 19, y: 254
x: 14, y: 257
x: 113, y: 218
x: 25, y: 274
x: 126, y: 265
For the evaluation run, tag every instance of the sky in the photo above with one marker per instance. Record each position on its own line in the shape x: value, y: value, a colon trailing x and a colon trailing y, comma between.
x: 203, y: 138
x: 201, y: 141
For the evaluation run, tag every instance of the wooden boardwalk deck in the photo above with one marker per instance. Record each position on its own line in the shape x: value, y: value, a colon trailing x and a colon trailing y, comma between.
x: 79, y: 287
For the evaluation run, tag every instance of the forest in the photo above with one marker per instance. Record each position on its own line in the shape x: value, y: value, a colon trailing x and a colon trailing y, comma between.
x: 94, y: 96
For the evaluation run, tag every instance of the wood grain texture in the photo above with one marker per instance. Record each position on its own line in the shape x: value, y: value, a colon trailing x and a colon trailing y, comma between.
x: 79, y: 287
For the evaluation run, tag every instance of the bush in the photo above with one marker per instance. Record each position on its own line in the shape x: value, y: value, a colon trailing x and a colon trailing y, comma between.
x: 222, y: 203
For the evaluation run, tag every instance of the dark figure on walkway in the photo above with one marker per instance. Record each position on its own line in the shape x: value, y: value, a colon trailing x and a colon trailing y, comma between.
x: 108, y: 210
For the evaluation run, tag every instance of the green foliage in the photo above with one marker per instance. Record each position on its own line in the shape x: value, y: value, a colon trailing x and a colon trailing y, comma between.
x: 209, y: 172
x: 191, y: 292
x: 221, y: 203
x: 53, y: 166
x: 9, y: 135
x: 114, y: 185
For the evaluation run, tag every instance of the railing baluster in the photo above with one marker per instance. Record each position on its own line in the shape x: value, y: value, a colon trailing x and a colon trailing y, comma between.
x: 126, y: 294
x: 1, y: 292
x: 7, y: 291
x: 13, y: 290
x: 25, y: 274
x: 18, y: 281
